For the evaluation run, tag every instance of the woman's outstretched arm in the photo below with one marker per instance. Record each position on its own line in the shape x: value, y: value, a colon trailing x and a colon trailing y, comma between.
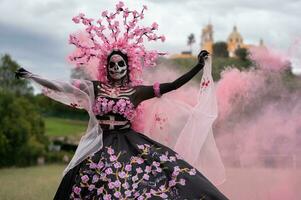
x: 147, y: 92
x: 23, y: 73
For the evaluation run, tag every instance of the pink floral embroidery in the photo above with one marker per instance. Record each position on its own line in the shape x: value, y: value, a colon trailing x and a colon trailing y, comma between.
x: 74, y: 105
x: 205, y: 83
x: 127, y: 179
x: 160, y: 120
x: 124, y: 107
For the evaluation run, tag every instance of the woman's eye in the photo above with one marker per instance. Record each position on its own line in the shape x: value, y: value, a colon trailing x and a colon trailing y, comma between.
x: 111, y: 64
x: 121, y: 63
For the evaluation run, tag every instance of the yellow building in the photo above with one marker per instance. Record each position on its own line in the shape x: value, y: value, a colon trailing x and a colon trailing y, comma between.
x: 207, y: 38
x: 234, y: 40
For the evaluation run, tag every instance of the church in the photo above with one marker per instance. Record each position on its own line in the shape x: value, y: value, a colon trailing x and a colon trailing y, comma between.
x: 234, y: 40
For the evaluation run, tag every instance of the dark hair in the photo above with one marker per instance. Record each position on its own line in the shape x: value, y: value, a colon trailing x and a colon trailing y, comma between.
x: 126, y: 79
x: 124, y: 56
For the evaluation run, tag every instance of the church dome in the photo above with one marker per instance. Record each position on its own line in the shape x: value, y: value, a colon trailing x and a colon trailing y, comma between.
x: 235, y: 36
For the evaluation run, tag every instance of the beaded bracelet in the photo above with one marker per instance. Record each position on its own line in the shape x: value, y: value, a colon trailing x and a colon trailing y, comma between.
x: 156, y: 87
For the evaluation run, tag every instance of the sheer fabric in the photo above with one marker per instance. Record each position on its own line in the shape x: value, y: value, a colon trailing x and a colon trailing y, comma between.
x: 80, y: 94
x: 188, y: 129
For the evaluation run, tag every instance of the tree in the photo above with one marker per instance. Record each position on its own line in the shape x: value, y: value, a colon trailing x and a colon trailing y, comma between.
x: 191, y: 41
x: 220, y: 49
x: 7, y: 77
x: 242, y: 53
x: 22, y: 137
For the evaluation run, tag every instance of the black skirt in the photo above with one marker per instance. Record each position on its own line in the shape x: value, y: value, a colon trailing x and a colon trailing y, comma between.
x: 132, y: 166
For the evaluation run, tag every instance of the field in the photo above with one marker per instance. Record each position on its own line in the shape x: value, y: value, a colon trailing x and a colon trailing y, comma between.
x: 41, y: 182
x: 30, y: 183
x: 64, y: 127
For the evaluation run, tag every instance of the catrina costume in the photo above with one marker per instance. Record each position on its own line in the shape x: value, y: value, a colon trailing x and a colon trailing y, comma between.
x: 167, y: 157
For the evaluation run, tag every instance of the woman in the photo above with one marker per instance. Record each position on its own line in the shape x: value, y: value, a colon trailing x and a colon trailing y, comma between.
x: 113, y: 161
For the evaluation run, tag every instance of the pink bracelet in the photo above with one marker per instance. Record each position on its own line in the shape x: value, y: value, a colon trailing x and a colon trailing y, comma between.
x: 156, y: 87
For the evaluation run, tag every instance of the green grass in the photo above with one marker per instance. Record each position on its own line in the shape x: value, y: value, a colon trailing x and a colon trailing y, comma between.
x: 64, y: 127
x: 30, y: 183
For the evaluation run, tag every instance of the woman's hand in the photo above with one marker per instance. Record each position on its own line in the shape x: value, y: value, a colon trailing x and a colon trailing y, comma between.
x: 203, y: 55
x: 21, y: 73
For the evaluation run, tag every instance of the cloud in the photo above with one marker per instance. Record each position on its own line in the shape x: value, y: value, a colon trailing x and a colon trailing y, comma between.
x: 37, y: 31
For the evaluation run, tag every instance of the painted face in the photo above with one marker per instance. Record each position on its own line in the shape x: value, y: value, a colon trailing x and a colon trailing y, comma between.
x: 117, y: 67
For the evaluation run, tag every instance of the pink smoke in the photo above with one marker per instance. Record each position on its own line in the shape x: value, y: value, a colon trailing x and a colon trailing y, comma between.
x: 259, y: 129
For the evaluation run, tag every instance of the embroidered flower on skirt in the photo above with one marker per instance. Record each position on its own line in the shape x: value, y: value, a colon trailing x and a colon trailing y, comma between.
x: 111, y: 175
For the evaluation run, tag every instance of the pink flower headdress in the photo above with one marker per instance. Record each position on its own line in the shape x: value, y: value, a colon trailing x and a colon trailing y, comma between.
x: 124, y: 35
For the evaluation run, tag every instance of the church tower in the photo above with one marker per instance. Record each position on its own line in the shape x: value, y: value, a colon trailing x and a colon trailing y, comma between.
x: 207, y: 38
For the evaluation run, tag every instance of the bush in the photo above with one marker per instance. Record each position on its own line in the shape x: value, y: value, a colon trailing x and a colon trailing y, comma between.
x: 58, y: 156
x: 22, y: 138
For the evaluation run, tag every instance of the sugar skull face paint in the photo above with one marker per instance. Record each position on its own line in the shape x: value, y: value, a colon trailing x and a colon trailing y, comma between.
x: 117, y: 67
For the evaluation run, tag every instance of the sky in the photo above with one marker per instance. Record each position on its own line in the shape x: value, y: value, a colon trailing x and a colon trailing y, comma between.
x: 35, y: 32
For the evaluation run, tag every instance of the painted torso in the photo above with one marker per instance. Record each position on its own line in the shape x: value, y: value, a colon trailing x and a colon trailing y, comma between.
x: 113, y: 106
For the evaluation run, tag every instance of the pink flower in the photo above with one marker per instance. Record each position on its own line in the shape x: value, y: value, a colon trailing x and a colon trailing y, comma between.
x: 135, y: 185
x: 141, y: 198
x: 104, y: 13
x: 110, y: 151
x: 111, y: 185
x: 128, y: 168
x: 76, y: 20
x: 100, y: 165
x: 163, y: 195
x: 91, y: 187
x: 100, y: 191
x: 163, y: 158
x: 117, y: 194
x: 135, y: 178
x: 119, y: 5
x: 85, y: 179
x: 95, y: 178
x: 148, y: 169
x: 109, y: 171
x: 159, y: 169
x: 117, y: 183
x: 128, y: 193
x: 192, y: 172
x: 162, y: 37
x: 172, y: 158
x: 140, y: 161
x: 155, y: 26
x: 113, y: 158
x: 171, y: 183
x: 139, y: 170
x: 107, y: 197
x: 156, y: 164
x: 77, y: 190
x: 122, y: 174
x: 125, y: 185
x: 146, y: 176
x: 92, y: 165
x: 117, y: 165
